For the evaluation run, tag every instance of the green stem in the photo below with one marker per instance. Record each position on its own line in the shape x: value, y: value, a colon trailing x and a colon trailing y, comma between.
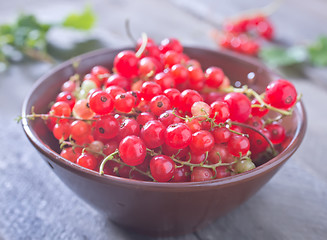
x: 111, y: 158
x: 47, y: 116
x: 260, y: 133
x: 106, y: 159
x: 193, y: 165
x: 251, y: 92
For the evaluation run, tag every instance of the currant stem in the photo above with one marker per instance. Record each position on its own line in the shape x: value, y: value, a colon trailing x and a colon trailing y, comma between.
x: 202, y: 164
x: 260, y: 133
x: 143, y: 45
x: 106, y: 159
x: 47, y: 116
x: 251, y: 92
x: 212, y: 122
x: 193, y: 165
x: 128, y: 31
x: 74, y: 145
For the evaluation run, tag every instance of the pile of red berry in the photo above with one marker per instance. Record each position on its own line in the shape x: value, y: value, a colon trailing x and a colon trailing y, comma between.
x: 244, y: 34
x: 159, y: 117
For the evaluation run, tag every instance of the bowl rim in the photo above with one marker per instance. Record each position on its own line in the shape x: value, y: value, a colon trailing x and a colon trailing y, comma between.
x: 161, y: 186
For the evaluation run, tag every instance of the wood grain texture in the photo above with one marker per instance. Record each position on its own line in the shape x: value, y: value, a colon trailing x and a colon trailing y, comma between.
x: 34, y: 204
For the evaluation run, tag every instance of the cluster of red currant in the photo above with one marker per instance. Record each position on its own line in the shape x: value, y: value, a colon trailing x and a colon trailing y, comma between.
x: 243, y: 35
x: 160, y: 117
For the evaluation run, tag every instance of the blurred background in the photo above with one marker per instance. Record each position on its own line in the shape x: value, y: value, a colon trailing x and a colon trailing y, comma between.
x: 34, y: 204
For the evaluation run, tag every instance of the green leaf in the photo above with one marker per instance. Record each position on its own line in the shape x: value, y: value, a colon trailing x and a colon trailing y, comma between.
x: 5, y: 29
x: 30, y: 22
x: 83, y: 21
x: 282, y: 57
x: 318, y: 52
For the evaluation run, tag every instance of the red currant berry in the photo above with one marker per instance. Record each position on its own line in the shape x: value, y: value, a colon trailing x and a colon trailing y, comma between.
x: 178, y: 135
x: 182, y: 174
x: 178, y: 153
x: 194, y: 125
x: 87, y: 160
x: 110, y: 147
x: 188, y: 97
x: 147, y: 67
x: 213, y: 97
x: 113, y: 91
x: 201, y: 110
x: 159, y: 104
x: 101, y: 102
x: 206, y: 125
x: 220, y: 153
x: 106, y: 127
x: 152, y: 133
x: 258, y: 111
x: 276, y: 132
x: 165, y: 80
x: 136, y: 95
x: 80, y: 129
x: 221, y: 134
x: 150, y: 90
x: 162, y: 168
x: 61, y: 109
x: 222, y: 172
x: 92, y: 78
x: 71, y: 154
x: 169, y: 117
x: 196, y: 158
x: 250, y: 47
x: 265, y: 29
x: 118, y: 80
x: 255, y: 122
x: 238, y: 145
x: 132, y: 150
x: 202, y: 141
x: 200, y: 174
x: 225, y: 41
x: 82, y: 109
x: 214, y: 77
x: 126, y: 64
x: 220, y: 111
x: 128, y: 127
x: 179, y: 73
x: 124, y: 102
x: 67, y: 97
x: 168, y: 44
x: 171, y: 58
x: 174, y: 96
x: 239, y: 106
x: 100, y: 72
x: 112, y: 168
x: 258, y: 143
x: 144, y: 117
x: 196, y: 78
x: 61, y: 131
x: 281, y: 94
x: 68, y: 86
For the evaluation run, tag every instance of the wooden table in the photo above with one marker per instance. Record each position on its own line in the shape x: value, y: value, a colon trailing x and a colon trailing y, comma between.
x: 34, y: 204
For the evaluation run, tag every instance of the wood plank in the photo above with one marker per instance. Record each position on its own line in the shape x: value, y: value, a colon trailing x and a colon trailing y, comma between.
x: 34, y: 204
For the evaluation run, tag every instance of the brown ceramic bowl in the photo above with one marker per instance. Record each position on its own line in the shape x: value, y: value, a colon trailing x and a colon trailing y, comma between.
x: 151, y: 207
